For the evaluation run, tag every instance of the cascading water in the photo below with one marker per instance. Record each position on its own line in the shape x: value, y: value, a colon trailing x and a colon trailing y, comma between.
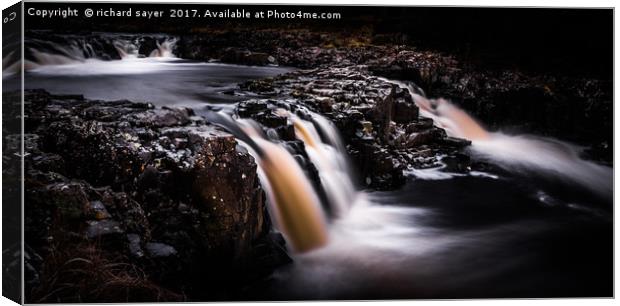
x: 126, y: 49
x: 78, y: 50
x: 295, y: 203
x: 329, y: 157
x: 517, y: 152
x: 164, y: 49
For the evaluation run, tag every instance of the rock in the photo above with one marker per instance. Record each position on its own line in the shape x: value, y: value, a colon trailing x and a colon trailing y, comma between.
x: 456, y: 142
x: 459, y: 163
x: 135, y: 247
x: 419, y: 125
x: 147, y: 46
x: 166, y: 117
x: 69, y: 199
x: 262, y: 86
x: 97, y: 210
x: 245, y: 57
x: 156, y: 249
x: 97, y: 229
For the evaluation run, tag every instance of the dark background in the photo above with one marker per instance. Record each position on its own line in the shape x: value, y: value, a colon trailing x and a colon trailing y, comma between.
x: 575, y: 42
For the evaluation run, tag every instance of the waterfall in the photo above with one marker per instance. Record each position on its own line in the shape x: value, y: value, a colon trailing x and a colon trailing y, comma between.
x: 126, y: 49
x: 52, y: 53
x: 329, y: 157
x: 164, y: 49
x: 516, y: 152
x: 297, y: 205
x: 294, y: 203
x: 76, y: 50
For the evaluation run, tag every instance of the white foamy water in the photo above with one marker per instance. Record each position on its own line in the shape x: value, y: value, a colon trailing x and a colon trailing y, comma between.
x: 80, y: 60
x: 330, y: 159
x: 127, y: 66
x: 293, y: 201
x: 513, y: 152
x: 550, y: 156
x: 438, y: 174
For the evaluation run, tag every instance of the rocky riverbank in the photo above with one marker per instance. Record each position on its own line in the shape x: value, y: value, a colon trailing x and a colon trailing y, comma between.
x: 124, y: 200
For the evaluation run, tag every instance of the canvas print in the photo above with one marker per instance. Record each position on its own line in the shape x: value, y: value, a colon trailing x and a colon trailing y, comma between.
x: 200, y: 152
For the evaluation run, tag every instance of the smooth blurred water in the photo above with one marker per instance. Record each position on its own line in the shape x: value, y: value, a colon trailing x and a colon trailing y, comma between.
x: 161, y: 81
x: 465, y: 237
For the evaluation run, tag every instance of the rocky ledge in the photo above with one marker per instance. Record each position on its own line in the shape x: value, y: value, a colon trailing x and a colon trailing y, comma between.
x: 124, y: 200
x: 377, y: 119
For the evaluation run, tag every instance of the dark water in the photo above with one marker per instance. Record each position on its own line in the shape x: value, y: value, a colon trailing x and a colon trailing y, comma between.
x: 514, y: 234
x: 465, y: 237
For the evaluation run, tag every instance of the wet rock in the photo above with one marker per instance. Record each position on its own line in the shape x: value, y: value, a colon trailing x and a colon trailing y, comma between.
x: 135, y: 247
x: 456, y: 142
x: 166, y: 117
x: 156, y: 249
x: 147, y: 46
x: 459, y: 163
x: 49, y: 162
x: 245, y: 57
x: 262, y: 86
x: 69, y: 199
x: 97, y: 229
x: 419, y: 125
x: 425, y: 137
x: 97, y: 210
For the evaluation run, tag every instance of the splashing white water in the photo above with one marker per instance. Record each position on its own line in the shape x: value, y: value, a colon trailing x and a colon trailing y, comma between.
x: 164, y: 49
x: 550, y: 156
x: 126, y: 49
x: 516, y: 152
x: 293, y: 202
x: 295, y: 205
x: 127, y: 66
x: 329, y: 158
x: 82, y: 59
